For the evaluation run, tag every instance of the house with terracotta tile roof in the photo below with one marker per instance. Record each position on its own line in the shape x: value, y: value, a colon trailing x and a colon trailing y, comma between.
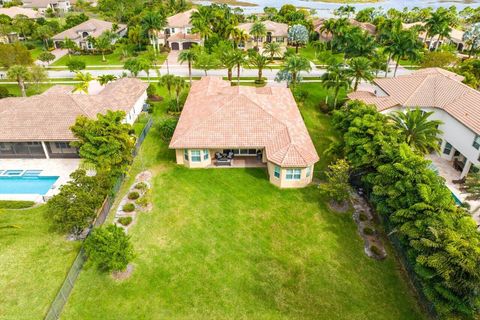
x: 276, y: 32
x: 454, y: 38
x: 178, y: 33
x: 90, y: 28
x: 433, y: 89
x: 39, y: 126
x: 43, y: 5
x: 221, y: 125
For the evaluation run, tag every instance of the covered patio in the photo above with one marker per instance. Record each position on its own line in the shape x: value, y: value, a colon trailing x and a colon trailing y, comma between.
x: 239, y: 162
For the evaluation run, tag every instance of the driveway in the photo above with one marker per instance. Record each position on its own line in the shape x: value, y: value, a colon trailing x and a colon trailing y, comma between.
x: 58, y: 53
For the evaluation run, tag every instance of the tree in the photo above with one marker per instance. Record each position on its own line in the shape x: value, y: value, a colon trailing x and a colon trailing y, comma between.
x: 133, y: 65
x: 70, y: 45
x: 272, y: 49
x: 404, y: 44
x: 153, y: 23
x: 206, y: 61
x: 239, y: 58
x: 22, y: 24
x: 225, y: 54
x: 75, y: 64
x: 298, y: 35
x: 104, y: 42
x: 167, y: 128
x: 239, y: 36
x: 75, y: 206
x: 360, y: 68
x: 417, y: 130
x: 135, y: 35
x: 109, y: 248
x: 20, y: 74
x: 292, y: 67
x: 188, y: 56
x: 168, y: 81
x: 472, y: 186
x: 336, y: 78
x: 4, y: 93
x: 38, y: 74
x: 257, y: 31
x: 337, y: 187
x: 258, y: 61
x: 105, y: 142
x: 438, y: 59
x: 83, y: 81
x: 346, y: 10
x: 328, y: 27
x: 14, y: 54
x: 44, y: 33
x: 179, y: 85
x: 472, y: 38
x: 106, y: 78
x: 200, y: 20
x: 46, y: 57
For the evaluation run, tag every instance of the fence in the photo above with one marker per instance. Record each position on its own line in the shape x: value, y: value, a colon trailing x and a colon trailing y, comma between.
x: 62, y: 296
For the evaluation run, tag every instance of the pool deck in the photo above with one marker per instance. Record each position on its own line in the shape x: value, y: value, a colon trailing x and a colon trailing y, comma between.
x: 50, y: 167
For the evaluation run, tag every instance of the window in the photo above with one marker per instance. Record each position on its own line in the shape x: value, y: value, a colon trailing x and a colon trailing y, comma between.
x: 294, y: 174
x: 447, y: 149
x: 195, y: 156
x: 185, y: 154
x: 280, y: 39
x: 476, y: 142
x: 309, y: 171
x: 205, y: 154
x: 276, y: 171
x: 61, y: 145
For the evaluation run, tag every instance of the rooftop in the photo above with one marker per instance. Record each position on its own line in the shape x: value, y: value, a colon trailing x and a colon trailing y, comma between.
x: 277, y: 29
x: 94, y: 27
x: 217, y: 115
x: 180, y: 20
x: 431, y: 87
x: 48, y: 116
x: 13, y: 11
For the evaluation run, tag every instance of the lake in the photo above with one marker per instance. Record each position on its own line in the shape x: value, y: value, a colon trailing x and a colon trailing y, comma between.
x: 324, y: 9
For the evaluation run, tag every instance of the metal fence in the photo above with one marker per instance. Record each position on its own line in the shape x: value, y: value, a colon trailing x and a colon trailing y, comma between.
x: 62, y: 296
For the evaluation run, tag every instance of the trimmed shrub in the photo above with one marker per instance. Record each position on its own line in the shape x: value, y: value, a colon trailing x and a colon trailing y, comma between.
x: 125, y: 221
x: 133, y: 195
x: 129, y: 207
x: 362, y: 217
x: 375, y: 250
x: 142, y: 202
x: 141, y: 186
x: 368, y: 231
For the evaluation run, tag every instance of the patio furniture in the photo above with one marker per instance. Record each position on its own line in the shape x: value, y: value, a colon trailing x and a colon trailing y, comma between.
x: 224, y: 162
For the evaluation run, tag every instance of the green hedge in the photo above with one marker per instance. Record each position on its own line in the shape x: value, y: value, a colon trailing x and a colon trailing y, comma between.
x: 13, y: 204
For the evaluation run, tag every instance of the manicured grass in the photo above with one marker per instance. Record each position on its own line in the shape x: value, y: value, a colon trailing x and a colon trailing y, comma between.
x: 12, y: 204
x: 33, y: 263
x: 309, y: 53
x: 226, y: 244
x: 96, y: 60
x: 31, y: 89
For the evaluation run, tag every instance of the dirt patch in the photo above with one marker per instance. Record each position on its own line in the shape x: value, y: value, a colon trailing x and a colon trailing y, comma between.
x: 340, y: 207
x: 123, y: 275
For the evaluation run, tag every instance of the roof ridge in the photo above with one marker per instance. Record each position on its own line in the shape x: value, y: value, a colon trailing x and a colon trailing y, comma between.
x: 417, y: 88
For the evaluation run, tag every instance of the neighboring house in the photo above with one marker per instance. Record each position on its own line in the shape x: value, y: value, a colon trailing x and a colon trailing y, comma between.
x: 13, y: 11
x: 90, y: 28
x: 455, y: 37
x: 371, y: 29
x: 178, y: 32
x: 261, y: 127
x: 276, y: 32
x: 43, y: 5
x: 39, y: 126
x: 9, y: 38
x: 454, y: 103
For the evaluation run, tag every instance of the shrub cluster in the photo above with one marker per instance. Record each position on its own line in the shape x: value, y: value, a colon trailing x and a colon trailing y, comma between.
x: 134, y: 195
x: 440, y: 239
x: 129, y: 207
x: 125, y: 221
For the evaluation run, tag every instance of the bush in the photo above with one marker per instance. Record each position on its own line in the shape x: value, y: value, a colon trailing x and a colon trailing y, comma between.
x: 301, y: 95
x: 75, y: 64
x: 129, y: 207
x: 142, y: 202
x: 362, y: 217
x: 11, y: 204
x: 141, y: 186
x: 368, y: 231
x: 4, y: 93
x: 259, y: 81
x: 125, y: 221
x: 109, y: 248
x: 166, y: 128
x: 375, y: 250
x: 133, y: 195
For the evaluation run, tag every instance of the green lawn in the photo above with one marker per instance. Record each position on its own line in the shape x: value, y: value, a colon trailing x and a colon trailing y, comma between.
x: 31, y: 89
x: 226, y: 244
x: 96, y: 60
x: 33, y: 263
x: 309, y: 53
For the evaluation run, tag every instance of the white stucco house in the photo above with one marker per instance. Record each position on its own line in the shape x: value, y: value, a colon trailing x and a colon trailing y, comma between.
x: 42, y: 6
x: 454, y: 103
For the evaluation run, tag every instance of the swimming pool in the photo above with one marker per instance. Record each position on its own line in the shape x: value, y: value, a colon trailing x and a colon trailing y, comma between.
x: 26, y: 184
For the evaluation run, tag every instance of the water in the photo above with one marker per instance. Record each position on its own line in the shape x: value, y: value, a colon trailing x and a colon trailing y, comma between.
x: 26, y: 185
x: 325, y: 9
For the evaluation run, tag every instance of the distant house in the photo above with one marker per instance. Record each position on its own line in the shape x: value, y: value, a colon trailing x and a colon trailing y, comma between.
x: 455, y: 37
x: 178, y: 33
x: 43, y: 5
x: 371, y: 29
x: 454, y: 103
x: 276, y: 32
x: 221, y: 125
x: 90, y: 28
x: 14, y: 11
x: 39, y: 126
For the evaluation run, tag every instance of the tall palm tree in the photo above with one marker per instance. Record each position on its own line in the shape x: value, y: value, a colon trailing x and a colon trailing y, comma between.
x: 188, y: 56
x: 106, y: 78
x: 272, y: 49
x: 419, y: 132
x: 328, y: 27
x: 404, y: 44
x: 259, y: 62
x: 258, y: 30
x: 201, y: 22
x: 225, y: 54
x: 239, y: 36
x: 336, y: 78
x: 294, y: 65
x: 84, y: 83
x: 168, y: 81
x: 104, y: 42
x: 19, y: 73
x: 239, y: 58
x: 179, y: 85
x: 360, y: 68
x: 152, y: 23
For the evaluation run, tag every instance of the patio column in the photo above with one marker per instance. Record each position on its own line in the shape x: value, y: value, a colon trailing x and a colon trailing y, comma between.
x: 44, y: 146
x: 442, y: 146
x: 466, y: 169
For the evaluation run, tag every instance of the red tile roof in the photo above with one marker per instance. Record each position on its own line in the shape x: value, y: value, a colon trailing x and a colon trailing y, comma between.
x: 217, y: 115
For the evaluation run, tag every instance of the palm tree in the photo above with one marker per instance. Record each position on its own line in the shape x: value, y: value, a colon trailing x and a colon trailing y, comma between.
x: 336, y: 78
x: 201, y: 22
x: 258, y: 30
x: 404, y: 44
x: 328, y: 27
x: 19, y: 73
x: 84, y: 83
x: 272, y: 49
x: 152, y: 23
x: 419, y: 132
x: 239, y: 58
x: 104, y: 42
x: 168, y: 81
x: 317, y: 47
x: 293, y: 65
x: 239, y: 36
x: 105, y: 79
x: 259, y: 62
x: 225, y: 54
x: 70, y: 45
x: 188, y: 56
x: 360, y: 68
x: 179, y: 85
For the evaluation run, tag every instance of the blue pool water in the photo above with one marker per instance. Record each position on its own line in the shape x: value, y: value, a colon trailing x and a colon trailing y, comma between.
x: 26, y: 185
